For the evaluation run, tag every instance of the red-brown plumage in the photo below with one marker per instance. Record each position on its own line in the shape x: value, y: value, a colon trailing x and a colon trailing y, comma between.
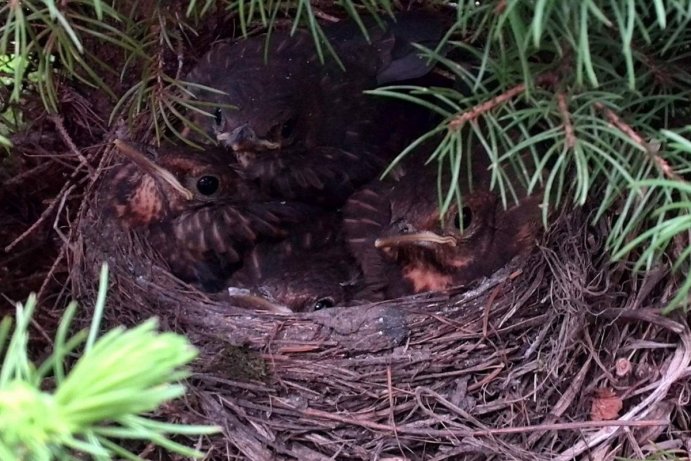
x: 196, y: 209
x: 393, y: 228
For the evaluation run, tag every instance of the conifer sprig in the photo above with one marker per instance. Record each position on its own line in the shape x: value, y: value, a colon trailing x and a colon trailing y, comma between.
x: 97, y: 400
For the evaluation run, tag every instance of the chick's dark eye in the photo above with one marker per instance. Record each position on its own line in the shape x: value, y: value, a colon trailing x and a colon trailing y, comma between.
x: 324, y: 303
x: 288, y: 128
x: 218, y: 116
x: 463, y: 219
x: 208, y: 185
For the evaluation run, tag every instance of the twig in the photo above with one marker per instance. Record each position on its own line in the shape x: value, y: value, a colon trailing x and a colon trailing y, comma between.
x: 479, y: 109
x: 565, y: 400
x: 65, y: 190
x: 628, y: 130
x: 590, y: 348
x: 649, y: 315
x: 63, y: 200
x: 67, y: 139
x: 28, y: 173
x: 392, y: 411
x: 51, y: 271
x: 566, y: 117
x: 488, y: 307
x: 487, y: 379
x: 180, y: 52
x: 484, y: 432
x: 572, y: 426
x: 323, y: 15
x: 476, y: 111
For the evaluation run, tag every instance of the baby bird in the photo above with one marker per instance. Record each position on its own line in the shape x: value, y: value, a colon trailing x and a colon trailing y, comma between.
x: 302, y: 128
x: 310, y: 270
x: 395, y: 230
x: 196, y: 209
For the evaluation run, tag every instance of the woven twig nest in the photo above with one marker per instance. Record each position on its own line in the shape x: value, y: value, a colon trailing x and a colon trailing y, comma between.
x: 530, y: 363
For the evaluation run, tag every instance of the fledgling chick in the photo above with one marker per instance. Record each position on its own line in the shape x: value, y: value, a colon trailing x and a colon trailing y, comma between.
x: 305, y: 130
x: 196, y: 208
x: 394, y: 229
x: 310, y: 270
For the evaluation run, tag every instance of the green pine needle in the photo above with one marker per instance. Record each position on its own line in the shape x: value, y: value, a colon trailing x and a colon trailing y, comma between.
x: 122, y: 374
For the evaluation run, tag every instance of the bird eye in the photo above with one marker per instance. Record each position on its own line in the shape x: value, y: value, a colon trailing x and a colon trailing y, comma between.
x: 288, y: 128
x: 324, y: 303
x: 208, y: 185
x: 463, y: 219
x: 218, y: 116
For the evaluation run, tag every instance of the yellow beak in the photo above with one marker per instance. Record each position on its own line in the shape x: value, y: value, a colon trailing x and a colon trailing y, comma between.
x: 149, y: 167
x: 424, y: 238
x: 257, y: 302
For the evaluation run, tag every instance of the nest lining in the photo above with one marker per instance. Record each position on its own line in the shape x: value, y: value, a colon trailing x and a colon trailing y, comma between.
x: 513, y: 368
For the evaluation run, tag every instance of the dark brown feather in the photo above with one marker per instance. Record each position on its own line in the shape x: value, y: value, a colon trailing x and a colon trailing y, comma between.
x: 305, y: 129
x: 310, y: 270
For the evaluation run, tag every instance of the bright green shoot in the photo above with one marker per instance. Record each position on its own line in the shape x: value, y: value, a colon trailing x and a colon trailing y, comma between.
x: 92, y: 402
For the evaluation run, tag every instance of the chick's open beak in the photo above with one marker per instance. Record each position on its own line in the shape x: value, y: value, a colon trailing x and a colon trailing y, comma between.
x: 425, y: 239
x: 149, y: 167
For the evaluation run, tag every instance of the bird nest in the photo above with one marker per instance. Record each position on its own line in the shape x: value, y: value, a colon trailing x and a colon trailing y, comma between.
x: 558, y: 355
